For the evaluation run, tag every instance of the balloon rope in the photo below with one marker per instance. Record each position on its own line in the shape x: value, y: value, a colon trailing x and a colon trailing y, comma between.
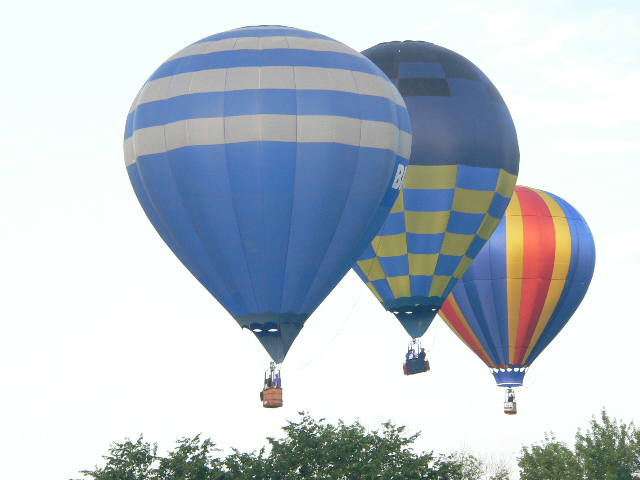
x: 559, y: 340
x: 334, y: 337
x: 352, y: 307
x: 435, y: 334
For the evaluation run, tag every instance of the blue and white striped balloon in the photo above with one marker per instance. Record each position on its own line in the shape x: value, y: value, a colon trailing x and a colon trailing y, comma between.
x: 267, y: 158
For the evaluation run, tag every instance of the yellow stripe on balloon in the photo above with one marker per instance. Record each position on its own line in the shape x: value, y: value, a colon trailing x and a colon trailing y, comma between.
x: 456, y: 244
x: 472, y: 201
x: 560, y: 267
x: 400, y: 286
x: 465, y: 263
x: 422, y: 264
x: 488, y: 226
x: 438, y: 285
x: 506, y: 184
x: 372, y: 269
x: 431, y: 177
x: 515, y: 269
x: 391, y: 245
x: 426, y: 222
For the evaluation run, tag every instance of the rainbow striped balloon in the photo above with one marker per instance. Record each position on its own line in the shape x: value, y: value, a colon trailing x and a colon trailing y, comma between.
x: 524, y: 285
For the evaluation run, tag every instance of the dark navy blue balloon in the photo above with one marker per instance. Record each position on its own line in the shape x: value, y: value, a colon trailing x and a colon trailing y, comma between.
x: 461, y: 175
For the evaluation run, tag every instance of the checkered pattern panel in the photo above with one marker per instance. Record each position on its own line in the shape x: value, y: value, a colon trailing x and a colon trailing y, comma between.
x: 438, y: 225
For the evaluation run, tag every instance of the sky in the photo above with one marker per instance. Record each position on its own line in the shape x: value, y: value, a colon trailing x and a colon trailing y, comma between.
x: 105, y: 335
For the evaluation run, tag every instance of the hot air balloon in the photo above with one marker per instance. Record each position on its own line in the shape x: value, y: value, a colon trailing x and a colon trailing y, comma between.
x: 267, y: 158
x: 525, y: 284
x: 461, y: 175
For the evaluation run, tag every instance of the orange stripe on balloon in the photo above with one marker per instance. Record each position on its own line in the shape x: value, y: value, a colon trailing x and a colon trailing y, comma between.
x: 514, y: 242
x: 452, y: 315
x: 560, y: 268
x: 539, y: 254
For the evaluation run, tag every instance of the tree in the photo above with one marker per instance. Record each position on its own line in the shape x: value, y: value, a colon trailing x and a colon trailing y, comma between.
x: 127, y: 461
x: 314, y: 449
x: 310, y: 449
x: 552, y: 460
x: 609, y: 450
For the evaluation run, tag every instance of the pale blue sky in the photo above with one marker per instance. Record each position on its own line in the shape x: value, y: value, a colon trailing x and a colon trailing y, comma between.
x: 104, y: 334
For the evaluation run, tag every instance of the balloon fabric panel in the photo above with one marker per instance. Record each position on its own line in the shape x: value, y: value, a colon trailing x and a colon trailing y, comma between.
x: 267, y: 159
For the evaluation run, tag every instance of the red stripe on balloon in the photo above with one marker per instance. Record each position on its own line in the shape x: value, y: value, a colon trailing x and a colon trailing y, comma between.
x: 460, y: 328
x: 539, y: 256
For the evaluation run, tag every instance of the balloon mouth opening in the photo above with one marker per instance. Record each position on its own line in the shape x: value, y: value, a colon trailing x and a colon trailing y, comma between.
x: 509, y: 375
x: 262, y: 329
x: 415, y: 309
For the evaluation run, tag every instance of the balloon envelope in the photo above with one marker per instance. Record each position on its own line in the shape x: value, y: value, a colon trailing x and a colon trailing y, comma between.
x: 267, y: 158
x: 524, y: 285
x: 461, y: 175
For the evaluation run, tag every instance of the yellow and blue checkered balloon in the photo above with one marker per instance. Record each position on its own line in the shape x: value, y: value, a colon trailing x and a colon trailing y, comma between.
x: 461, y: 176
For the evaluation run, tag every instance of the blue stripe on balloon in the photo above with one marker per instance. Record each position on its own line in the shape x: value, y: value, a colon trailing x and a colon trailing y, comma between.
x: 447, y: 264
x: 128, y: 126
x: 499, y: 205
x: 424, y: 243
x: 368, y: 254
x: 466, y: 295
x: 421, y: 70
x: 579, y: 276
x: 395, y: 266
x: 439, y: 200
x: 264, y: 101
x: 394, y: 224
x: 383, y: 289
x: 477, y: 178
x: 421, y: 283
x: 464, y: 223
x: 276, y: 57
x: 470, y: 92
x: 476, y: 246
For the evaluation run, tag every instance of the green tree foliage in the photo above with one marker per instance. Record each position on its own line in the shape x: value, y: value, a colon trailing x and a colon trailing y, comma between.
x: 609, y: 450
x: 310, y: 449
x: 550, y: 461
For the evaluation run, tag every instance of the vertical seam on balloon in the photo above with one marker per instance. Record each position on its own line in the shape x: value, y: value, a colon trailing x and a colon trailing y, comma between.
x: 295, y: 176
x: 184, y: 209
x: 215, y: 269
x: 346, y: 201
x: 504, y: 353
x: 265, y: 257
x: 224, y: 130
x: 217, y: 272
